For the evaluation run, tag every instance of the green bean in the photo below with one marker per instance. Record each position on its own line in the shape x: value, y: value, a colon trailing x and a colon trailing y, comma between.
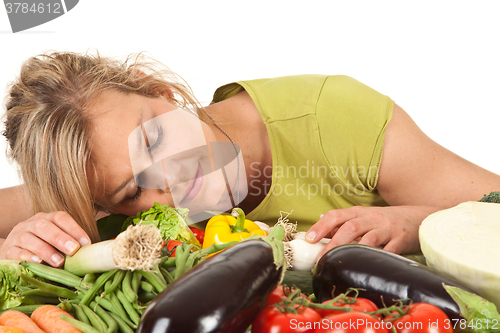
x: 166, y: 275
x: 215, y: 248
x: 66, y: 306
x: 99, y: 283
x: 54, y: 274
x: 146, y: 286
x: 181, y: 259
x: 112, y: 325
x: 26, y: 309
x: 94, y: 319
x: 88, y: 280
x: 190, y: 261
x: 107, y: 285
x: 36, y: 292
x: 80, y: 314
x: 136, y: 280
x: 153, y: 278
x: 156, y: 270
x: 146, y: 297
x: 45, y: 299
x: 168, y: 262
x: 134, y: 316
x: 127, y: 287
x: 105, y: 303
x: 117, y: 280
x: 84, y: 327
x: 56, y: 290
x: 28, y: 287
x: 179, y: 252
x: 119, y: 310
x: 122, y: 325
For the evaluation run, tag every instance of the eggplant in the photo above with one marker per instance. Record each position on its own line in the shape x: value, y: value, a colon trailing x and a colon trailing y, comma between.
x: 224, y: 293
x: 383, y: 277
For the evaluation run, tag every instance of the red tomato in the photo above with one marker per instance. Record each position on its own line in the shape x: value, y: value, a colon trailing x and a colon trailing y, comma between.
x: 272, y: 320
x: 198, y: 233
x: 362, y: 304
x: 276, y: 296
x: 423, y: 318
x: 171, y: 245
x: 352, y: 322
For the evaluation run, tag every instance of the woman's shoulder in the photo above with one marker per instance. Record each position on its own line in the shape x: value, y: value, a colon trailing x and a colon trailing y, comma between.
x: 286, y: 86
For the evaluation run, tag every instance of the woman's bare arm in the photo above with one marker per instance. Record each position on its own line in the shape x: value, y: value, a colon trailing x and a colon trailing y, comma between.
x: 15, y: 207
x: 417, y: 177
x: 415, y: 170
x: 42, y: 237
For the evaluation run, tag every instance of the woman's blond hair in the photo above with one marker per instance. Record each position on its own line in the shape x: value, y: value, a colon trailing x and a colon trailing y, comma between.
x: 48, y: 129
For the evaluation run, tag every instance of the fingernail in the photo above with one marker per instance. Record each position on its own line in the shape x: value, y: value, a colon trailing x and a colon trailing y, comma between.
x: 71, y: 246
x: 310, y: 236
x: 57, y: 259
x: 84, y: 241
x: 36, y: 259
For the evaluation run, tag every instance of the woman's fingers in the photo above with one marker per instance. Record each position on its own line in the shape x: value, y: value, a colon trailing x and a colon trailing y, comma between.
x: 35, y: 249
x: 67, y: 227
x: 44, y: 237
x: 394, y: 228
x: 329, y: 221
x: 18, y: 253
x: 351, y: 231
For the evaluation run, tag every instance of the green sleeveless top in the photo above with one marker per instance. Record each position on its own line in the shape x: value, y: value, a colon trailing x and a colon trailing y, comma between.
x: 326, y: 135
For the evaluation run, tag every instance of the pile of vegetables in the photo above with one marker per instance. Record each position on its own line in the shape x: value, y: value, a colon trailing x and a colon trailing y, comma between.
x: 111, y: 301
x: 237, y: 277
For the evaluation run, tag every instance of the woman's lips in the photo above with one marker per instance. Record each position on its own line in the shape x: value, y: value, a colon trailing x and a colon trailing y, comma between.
x: 194, y: 186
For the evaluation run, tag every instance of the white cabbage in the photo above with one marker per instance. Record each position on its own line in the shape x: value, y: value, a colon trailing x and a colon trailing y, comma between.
x: 464, y: 243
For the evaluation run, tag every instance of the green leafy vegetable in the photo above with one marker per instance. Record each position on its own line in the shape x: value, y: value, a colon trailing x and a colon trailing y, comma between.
x: 171, y: 222
x: 481, y: 315
x: 492, y: 197
x: 10, y: 281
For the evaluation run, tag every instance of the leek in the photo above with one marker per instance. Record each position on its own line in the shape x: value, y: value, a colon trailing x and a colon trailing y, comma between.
x: 138, y: 247
x: 462, y: 242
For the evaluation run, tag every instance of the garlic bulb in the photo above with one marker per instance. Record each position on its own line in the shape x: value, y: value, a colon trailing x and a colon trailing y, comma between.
x: 302, y: 255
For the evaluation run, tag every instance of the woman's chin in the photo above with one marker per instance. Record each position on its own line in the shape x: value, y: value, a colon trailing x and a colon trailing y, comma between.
x: 212, y: 196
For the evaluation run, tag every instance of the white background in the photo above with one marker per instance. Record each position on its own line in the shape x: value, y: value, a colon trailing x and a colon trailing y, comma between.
x: 439, y: 60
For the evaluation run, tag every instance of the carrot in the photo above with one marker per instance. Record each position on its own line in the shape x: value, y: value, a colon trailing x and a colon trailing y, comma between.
x: 5, y: 329
x: 48, y: 318
x: 14, y: 318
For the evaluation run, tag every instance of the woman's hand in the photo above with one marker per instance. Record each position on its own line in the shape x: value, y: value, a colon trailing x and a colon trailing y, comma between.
x: 395, y: 228
x: 44, y: 237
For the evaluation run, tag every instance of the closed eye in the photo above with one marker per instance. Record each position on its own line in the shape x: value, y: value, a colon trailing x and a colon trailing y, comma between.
x: 136, y: 195
x: 158, y: 141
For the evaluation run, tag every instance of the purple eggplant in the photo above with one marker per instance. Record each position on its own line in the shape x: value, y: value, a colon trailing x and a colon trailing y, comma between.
x: 224, y: 293
x: 383, y: 278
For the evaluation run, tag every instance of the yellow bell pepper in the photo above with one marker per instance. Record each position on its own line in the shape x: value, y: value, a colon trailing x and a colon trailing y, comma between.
x: 222, y: 229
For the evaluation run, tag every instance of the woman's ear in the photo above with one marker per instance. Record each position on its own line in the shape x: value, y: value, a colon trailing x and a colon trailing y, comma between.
x: 166, y: 92
x: 163, y: 91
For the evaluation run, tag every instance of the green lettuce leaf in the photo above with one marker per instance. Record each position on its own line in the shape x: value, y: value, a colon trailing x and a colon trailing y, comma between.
x: 482, y: 316
x: 171, y: 222
x: 10, y: 281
